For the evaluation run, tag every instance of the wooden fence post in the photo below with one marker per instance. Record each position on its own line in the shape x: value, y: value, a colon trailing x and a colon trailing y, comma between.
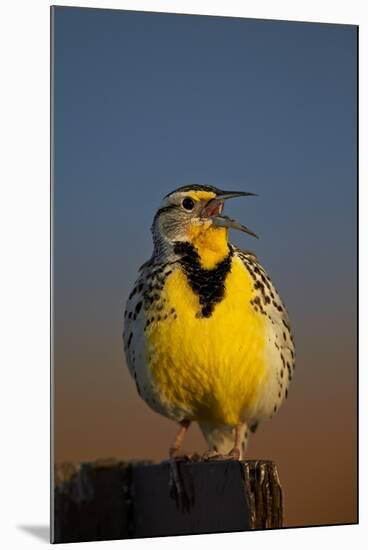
x: 108, y: 499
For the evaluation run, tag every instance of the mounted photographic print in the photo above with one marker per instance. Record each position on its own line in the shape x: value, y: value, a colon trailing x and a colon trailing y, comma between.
x: 204, y: 274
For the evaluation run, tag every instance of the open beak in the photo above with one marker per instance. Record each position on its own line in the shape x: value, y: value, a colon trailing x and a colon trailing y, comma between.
x: 214, y: 207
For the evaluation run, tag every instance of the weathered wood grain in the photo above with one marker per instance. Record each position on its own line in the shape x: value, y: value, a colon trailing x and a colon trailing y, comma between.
x: 110, y: 499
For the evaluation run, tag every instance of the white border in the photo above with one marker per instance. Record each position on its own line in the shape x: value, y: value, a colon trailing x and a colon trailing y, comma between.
x: 24, y: 235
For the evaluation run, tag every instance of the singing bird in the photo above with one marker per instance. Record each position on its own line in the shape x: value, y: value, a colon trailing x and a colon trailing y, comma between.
x: 206, y: 335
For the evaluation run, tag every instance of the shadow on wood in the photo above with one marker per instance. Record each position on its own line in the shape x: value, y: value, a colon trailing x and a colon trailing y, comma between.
x: 108, y: 499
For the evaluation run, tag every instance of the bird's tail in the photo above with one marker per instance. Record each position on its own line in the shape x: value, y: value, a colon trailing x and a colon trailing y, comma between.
x: 221, y: 438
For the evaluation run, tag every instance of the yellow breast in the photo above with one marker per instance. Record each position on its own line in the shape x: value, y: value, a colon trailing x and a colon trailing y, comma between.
x: 211, y: 366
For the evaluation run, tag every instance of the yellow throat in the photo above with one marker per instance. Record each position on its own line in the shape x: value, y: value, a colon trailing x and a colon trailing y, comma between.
x: 209, y: 242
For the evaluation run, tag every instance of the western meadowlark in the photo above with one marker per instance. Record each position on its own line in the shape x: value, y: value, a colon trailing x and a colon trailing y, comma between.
x: 206, y: 335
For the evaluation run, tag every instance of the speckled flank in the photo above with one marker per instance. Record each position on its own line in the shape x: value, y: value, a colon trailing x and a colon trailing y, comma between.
x: 280, y: 339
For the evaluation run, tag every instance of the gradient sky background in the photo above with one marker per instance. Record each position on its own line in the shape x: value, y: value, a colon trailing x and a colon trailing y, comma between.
x: 145, y: 103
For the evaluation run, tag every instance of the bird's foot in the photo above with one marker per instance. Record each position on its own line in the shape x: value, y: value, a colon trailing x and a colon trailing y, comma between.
x: 177, y: 454
x: 211, y: 454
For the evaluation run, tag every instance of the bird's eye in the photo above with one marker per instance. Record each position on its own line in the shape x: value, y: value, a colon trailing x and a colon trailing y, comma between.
x: 188, y: 203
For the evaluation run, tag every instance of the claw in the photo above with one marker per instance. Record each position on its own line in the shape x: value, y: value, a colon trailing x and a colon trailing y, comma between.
x: 176, y: 454
x: 178, y: 490
x: 209, y: 455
